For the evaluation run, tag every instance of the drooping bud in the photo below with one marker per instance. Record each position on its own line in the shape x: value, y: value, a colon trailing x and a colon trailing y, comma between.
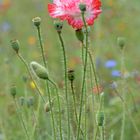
x: 47, y: 106
x: 58, y: 25
x: 30, y: 102
x: 36, y: 21
x: 71, y: 75
x: 13, y: 91
x: 15, y: 45
x: 100, y: 118
x: 79, y: 35
x: 121, y: 42
x: 39, y: 70
x: 82, y: 7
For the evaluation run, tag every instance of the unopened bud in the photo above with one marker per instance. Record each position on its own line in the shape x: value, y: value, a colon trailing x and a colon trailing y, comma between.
x: 82, y: 7
x: 100, y: 118
x: 13, y: 91
x: 48, y: 106
x: 79, y: 35
x: 36, y: 21
x: 39, y: 70
x: 71, y: 76
x: 15, y: 45
x: 121, y: 42
x: 58, y: 26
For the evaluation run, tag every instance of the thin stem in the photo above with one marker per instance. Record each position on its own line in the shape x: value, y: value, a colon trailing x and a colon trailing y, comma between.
x: 84, y: 77
x: 66, y: 85
x: 96, y: 133
x: 30, y: 74
x: 41, y: 45
x: 102, y: 133
x: 93, y: 68
x: 59, y: 107
x: 52, y: 115
x: 21, y: 120
x: 123, y: 93
x: 74, y: 101
x: 48, y: 88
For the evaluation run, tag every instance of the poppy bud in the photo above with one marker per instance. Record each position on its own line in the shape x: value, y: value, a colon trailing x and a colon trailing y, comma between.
x: 48, y: 106
x: 13, y: 91
x: 36, y: 21
x: 79, y: 35
x: 39, y: 70
x: 58, y: 25
x: 121, y: 42
x: 82, y: 7
x: 100, y: 118
x: 71, y: 76
x: 15, y: 45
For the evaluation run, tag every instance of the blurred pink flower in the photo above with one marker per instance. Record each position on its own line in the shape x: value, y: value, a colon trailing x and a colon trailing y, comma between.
x: 69, y: 10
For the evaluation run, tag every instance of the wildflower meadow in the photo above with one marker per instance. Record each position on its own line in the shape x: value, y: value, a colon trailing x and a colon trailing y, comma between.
x: 69, y: 70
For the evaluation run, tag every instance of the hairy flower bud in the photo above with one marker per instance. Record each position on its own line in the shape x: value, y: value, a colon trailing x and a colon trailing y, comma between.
x: 39, y: 70
x: 82, y: 7
x: 121, y: 42
x: 15, y: 45
x: 58, y: 25
x: 71, y: 76
x: 36, y: 21
x: 48, y: 106
x: 79, y: 35
x: 100, y: 118
x: 13, y: 91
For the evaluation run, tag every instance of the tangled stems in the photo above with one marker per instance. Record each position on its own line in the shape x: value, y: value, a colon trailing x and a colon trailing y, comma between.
x: 84, y: 76
x: 21, y: 120
x: 66, y: 86
x: 30, y: 74
x: 59, y: 106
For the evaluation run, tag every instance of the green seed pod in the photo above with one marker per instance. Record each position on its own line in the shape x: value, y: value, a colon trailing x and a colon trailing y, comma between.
x: 79, y: 35
x: 21, y: 101
x: 71, y: 76
x: 13, y: 91
x: 100, y: 118
x: 121, y: 42
x: 39, y: 70
x: 47, y: 106
x: 82, y: 7
x: 30, y: 102
x: 58, y: 25
x: 15, y: 45
x: 36, y: 21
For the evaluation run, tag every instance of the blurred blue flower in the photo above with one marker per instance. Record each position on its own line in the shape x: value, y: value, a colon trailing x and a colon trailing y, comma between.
x: 116, y: 73
x: 5, y: 26
x: 110, y: 63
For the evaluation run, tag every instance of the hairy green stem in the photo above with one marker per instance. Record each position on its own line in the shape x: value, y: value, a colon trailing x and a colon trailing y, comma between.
x: 59, y: 107
x: 47, y: 84
x: 66, y: 83
x: 30, y: 74
x: 84, y: 77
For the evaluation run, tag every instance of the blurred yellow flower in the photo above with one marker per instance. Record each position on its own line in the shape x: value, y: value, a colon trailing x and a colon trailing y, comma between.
x: 32, y: 40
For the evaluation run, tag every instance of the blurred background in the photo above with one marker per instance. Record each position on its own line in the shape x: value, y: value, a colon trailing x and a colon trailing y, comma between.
x: 118, y: 18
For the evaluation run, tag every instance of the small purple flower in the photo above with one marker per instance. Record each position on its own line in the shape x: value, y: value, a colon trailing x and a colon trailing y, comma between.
x: 116, y: 73
x: 110, y: 63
